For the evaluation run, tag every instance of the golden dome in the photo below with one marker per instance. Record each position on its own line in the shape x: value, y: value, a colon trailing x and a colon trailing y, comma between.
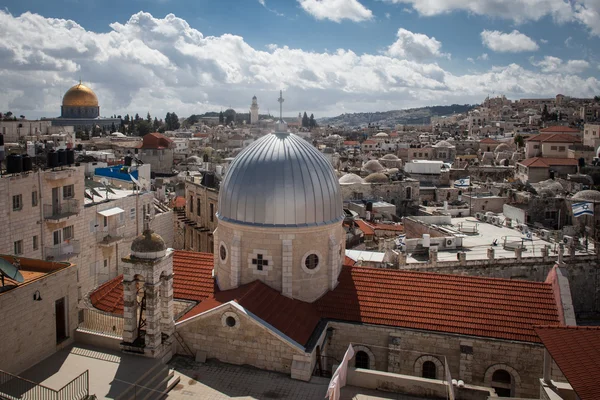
x: 80, y: 96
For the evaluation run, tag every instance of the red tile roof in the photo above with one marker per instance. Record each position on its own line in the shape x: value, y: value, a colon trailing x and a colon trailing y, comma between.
x: 350, y: 143
x: 547, y: 162
x: 494, y: 308
x: 366, y: 228
x: 294, y: 318
x: 576, y: 351
x: 554, y: 138
x: 388, y: 227
x: 559, y: 128
x: 192, y: 280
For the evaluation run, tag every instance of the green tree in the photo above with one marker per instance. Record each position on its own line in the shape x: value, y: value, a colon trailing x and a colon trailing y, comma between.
x: 545, y: 114
x: 230, y: 115
x: 149, y: 118
x: 311, y: 122
x: 519, y: 141
x: 137, y: 117
x: 113, y: 128
x: 171, y: 122
x: 156, y: 124
x: 305, y: 120
x: 144, y: 128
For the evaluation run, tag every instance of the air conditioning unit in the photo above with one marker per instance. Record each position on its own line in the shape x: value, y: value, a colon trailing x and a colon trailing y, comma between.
x: 544, y: 234
x: 450, y: 243
x: 495, y: 220
x: 479, y: 216
x: 484, y: 218
x: 568, y: 240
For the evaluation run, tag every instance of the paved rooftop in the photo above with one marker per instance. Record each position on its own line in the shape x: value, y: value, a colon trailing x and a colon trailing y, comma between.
x: 218, y: 381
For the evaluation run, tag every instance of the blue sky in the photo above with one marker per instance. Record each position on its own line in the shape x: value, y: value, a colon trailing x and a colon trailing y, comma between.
x: 395, y: 53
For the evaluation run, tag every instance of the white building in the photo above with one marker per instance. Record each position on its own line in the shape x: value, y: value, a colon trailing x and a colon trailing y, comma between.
x: 254, y: 111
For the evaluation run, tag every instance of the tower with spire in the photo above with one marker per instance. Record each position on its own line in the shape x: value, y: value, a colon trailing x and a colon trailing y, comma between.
x: 254, y: 111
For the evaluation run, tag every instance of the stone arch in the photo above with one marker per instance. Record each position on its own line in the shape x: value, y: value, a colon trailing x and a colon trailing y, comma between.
x: 515, y: 378
x: 368, y: 351
x: 439, y: 366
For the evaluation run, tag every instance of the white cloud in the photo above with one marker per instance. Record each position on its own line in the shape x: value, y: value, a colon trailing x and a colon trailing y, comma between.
x: 586, y: 12
x: 163, y: 64
x: 415, y: 46
x: 262, y: 3
x: 388, y: 15
x: 470, y: 59
x: 513, y: 42
x: 544, y: 41
x: 336, y: 10
x: 550, y: 64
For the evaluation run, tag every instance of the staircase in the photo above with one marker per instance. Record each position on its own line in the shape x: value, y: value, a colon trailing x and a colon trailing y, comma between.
x: 153, y: 385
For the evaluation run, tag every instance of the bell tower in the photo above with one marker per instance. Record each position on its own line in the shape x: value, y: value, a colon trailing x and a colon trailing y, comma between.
x: 254, y: 111
x: 148, y: 297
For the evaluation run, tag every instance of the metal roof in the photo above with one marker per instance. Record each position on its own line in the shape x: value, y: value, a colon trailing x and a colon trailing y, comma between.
x: 280, y: 180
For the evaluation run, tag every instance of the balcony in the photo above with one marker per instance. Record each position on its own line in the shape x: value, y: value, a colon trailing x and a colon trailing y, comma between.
x: 58, y: 174
x: 62, y: 211
x: 63, y: 251
x: 110, y: 236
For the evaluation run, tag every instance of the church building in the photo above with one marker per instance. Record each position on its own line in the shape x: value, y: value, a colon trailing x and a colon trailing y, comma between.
x: 277, y: 294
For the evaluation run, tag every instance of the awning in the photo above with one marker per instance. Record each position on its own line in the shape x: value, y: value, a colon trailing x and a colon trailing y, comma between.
x: 111, y: 211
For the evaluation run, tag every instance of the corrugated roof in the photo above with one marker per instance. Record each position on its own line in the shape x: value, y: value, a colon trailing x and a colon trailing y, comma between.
x: 576, y: 351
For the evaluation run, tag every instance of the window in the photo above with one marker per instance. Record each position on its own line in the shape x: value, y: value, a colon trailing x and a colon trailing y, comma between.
x: 312, y: 261
x: 409, y: 193
x: 132, y: 213
x: 561, y: 148
x: 34, y: 198
x: 68, y: 232
x: 18, y: 247
x: 212, y: 212
x: 553, y: 148
x: 230, y: 322
x: 106, y: 263
x: 259, y: 261
x: 68, y: 191
x: 223, y: 253
x: 429, y: 370
x: 198, y: 206
x: 104, y: 221
x: 502, y: 383
x: 17, y: 202
x: 57, y: 237
x: 35, y: 243
x: 191, y: 204
x: 361, y: 360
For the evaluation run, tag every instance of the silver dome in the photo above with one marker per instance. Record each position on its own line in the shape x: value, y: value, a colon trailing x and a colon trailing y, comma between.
x: 280, y: 180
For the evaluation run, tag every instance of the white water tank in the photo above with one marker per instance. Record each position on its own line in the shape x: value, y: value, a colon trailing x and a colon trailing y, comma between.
x: 426, y: 240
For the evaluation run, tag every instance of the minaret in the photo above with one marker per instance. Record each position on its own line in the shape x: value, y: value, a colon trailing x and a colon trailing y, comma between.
x: 254, y: 111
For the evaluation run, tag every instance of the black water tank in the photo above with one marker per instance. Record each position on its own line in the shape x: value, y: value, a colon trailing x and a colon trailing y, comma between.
x: 205, y: 157
x: 1, y: 140
x: 79, y: 147
x: 369, y: 206
x: 52, y: 159
x: 14, y: 163
x: 128, y: 160
x: 27, y: 163
x: 62, y: 157
x: 70, y: 156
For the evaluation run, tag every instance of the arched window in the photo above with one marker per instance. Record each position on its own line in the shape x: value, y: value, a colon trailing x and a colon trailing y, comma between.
x: 502, y: 383
x: 361, y: 360
x: 409, y: 193
x: 429, y: 370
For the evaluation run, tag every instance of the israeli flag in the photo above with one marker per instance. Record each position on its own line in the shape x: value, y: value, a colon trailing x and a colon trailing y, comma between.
x: 580, y: 209
x: 463, y: 182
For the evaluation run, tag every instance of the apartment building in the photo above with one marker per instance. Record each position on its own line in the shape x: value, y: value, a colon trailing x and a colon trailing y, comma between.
x: 202, y: 198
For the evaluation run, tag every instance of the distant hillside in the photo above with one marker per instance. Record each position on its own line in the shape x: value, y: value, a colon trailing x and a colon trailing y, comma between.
x: 411, y: 116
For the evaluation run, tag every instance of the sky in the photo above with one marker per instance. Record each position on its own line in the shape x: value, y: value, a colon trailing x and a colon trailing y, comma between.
x: 328, y: 56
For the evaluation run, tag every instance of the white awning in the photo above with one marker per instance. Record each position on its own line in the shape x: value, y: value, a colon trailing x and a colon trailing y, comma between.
x: 111, y: 211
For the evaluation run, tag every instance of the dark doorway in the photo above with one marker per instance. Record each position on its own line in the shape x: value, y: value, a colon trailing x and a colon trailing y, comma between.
x: 61, y: 320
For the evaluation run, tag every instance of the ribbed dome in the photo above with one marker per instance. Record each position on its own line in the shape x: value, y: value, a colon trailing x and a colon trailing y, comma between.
x: 280, y: 180
x: 390, y: 157
x: 80, y: 96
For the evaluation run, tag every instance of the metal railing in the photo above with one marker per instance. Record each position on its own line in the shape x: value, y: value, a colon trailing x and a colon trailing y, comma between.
x: 13, y: 387
x: 63, y: 251
x: 99, y: 322
x: 110, y: 235
x: 66, y: 208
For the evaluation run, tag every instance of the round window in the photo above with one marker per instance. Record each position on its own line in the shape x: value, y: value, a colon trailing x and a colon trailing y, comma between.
x: 230, y: 322
x: 312, y: 261
x: 223, y: 252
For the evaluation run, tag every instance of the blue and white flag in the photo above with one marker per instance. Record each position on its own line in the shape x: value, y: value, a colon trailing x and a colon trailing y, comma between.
x: 580, y: 209
x: 463, y: 182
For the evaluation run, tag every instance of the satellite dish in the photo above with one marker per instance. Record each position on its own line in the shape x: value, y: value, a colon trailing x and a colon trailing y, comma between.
x: 10, y: 271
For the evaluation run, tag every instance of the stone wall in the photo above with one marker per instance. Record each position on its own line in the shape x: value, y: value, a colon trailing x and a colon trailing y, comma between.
x: 415, y: 229
x: 29, y: 331
x: 394, y: 193
x: 470, y: 358
x: 162, y: 224
x: 245, y: 343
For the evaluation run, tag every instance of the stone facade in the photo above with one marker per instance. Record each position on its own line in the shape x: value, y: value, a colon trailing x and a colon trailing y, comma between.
x: 200, y: 207
x: 403, y: 194
x: 29, y: 332
x: 471, y: 359
x: 282, y: 254
x: 248, y: 341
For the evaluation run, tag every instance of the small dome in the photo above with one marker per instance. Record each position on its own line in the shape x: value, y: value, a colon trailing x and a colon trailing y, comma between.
x: 350, y: 179
x: 373, y: 166
x: 80, y: 96
x: 377, y: 177
x: 502, y: 147
x: 392, y: 171
x: 442, y: 143
x: 391, y: 157
x: 382, y: 135
x: 193, y: 160
x: 148, y: 245
x: 587, y: 195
